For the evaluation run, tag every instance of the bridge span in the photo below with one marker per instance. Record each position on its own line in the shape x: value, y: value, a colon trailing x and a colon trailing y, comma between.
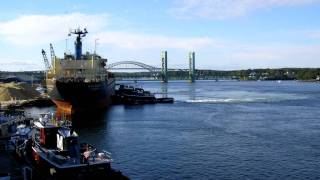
x: 139, y: 66
x: 162, y: 72
x: 136, y: 63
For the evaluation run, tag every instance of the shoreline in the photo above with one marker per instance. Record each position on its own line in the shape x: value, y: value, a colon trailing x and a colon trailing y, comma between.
x: 16, y: 104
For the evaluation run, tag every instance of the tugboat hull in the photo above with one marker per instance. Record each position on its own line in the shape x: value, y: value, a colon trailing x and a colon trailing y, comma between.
x: 46, y: 169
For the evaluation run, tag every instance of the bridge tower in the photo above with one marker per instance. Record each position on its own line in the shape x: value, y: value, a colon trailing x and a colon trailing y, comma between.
x: 192, y: 67
x: 164, y: 67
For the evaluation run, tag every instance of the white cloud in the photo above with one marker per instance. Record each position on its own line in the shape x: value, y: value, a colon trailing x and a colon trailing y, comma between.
x: 35, y: 31
x: 312, y: 34
x: 146, y: 41
x: 7, y: 64
x: 42, y: 29
x: 224, y: 9
x: 31, y: 30
x: 272, y: 56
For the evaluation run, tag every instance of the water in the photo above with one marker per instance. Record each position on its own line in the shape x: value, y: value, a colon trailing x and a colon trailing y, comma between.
x: 215, y: 130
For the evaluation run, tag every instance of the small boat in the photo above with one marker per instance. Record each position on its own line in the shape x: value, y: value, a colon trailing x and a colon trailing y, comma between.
x: 55, y: 152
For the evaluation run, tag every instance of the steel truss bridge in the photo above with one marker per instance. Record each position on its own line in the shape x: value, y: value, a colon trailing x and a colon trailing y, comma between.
x: 155, y: 71
x: 137, y: 66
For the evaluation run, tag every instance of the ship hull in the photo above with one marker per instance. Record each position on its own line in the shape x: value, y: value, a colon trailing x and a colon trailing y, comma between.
x: 71, y: 96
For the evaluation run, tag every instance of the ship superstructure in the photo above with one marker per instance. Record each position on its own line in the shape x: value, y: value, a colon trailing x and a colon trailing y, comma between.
x: 79, y: 81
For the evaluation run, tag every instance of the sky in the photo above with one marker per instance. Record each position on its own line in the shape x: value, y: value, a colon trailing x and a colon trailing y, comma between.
x: 225, y: 34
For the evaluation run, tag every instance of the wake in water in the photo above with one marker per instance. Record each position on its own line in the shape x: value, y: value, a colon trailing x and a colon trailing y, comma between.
x: 228, y: 100
x: 265, y: 98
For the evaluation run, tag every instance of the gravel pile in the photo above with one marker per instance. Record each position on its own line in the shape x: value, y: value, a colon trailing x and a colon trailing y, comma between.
x: 17, y: 91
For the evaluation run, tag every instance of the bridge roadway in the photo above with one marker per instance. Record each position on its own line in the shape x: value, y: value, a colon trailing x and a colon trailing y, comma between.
x: 113, y: 66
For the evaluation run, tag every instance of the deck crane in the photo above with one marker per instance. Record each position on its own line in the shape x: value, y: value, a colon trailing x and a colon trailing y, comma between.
x: 45, y: 59
x: 53, y: 56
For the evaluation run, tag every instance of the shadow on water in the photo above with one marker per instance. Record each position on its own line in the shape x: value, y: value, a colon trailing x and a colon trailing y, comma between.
x: 86, y: 119
x: 192, y: 91
x: 164, y: 90
x: 134, y: 107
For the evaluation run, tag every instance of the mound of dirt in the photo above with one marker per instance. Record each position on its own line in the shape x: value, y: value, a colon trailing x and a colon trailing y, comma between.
x: 17, y: 91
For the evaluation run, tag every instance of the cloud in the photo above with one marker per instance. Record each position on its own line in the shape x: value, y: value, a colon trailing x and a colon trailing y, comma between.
x: 119, y: 43
x: 224, y: 9
x: 271, y: 56
x: 30, y: 32
x: 311, y: 34
x: 7, y: 64
x: 136, y: 41
x: 42, y: 29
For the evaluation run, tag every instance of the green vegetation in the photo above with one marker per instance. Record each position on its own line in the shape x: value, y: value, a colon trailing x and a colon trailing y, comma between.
x: 250, y: 74
x: 307, y: 74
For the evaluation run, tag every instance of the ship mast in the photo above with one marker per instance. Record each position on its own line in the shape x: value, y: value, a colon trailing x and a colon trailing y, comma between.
x: 78, y: 43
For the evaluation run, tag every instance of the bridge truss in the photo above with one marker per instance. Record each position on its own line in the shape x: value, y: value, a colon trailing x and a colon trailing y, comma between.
x: 139, y: 65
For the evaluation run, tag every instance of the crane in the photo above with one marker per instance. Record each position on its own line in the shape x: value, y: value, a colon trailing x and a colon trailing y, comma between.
x: 52, y: 53
x: 45, y: 59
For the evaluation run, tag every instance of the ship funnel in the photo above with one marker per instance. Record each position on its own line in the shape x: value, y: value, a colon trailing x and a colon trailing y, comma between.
x: 78, y: 43
x: 78, y: 48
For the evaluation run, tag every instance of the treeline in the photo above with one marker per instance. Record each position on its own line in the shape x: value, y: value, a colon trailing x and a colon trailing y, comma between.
x: 249, y: 74
x: 280, y: 74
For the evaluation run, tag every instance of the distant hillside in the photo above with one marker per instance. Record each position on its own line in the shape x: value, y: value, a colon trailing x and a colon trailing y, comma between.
x: 249, y: 74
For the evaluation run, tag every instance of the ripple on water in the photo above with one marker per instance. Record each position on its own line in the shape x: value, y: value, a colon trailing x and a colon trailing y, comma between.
x: 216, y: 130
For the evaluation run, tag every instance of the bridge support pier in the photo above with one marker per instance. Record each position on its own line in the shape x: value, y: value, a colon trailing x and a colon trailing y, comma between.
x: 164, y: 67
x: 192, y: 67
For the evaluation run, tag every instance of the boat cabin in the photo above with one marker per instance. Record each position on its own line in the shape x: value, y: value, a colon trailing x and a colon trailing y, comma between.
x: 50, y: 136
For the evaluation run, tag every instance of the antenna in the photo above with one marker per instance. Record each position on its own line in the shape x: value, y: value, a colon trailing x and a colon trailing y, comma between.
x: 78, y: 44
x: 78, y: 32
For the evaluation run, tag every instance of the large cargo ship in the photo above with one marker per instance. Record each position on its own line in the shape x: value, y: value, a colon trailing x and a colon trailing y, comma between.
x: 80, y: 81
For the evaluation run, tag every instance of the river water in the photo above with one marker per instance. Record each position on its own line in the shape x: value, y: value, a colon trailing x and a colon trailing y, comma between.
x: 214, y: 130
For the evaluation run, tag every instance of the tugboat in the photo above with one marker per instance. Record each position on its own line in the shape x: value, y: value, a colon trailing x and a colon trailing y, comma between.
x: 131, y: 95
x: 54, y: 152
x: 78, y: 82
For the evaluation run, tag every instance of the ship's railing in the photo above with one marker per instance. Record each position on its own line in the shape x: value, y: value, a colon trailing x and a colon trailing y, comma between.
x: 67, y: 80
x: 81, y: 74
x: 80, y: 79
x: 76, y: 64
